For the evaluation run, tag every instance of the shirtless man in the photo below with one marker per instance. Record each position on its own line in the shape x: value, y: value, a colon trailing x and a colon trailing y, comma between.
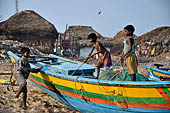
x: 104, y: 57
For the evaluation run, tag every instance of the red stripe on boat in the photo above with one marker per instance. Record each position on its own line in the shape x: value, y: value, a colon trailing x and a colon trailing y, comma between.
x: 166, y: 97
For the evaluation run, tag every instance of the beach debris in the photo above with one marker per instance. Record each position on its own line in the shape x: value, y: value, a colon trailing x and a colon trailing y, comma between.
x: 14, y: 46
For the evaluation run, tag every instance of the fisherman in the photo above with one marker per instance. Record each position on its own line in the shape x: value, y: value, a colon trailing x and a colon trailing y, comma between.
x: 21, y: 72
x: 129, y: 52
x: 103, y: 55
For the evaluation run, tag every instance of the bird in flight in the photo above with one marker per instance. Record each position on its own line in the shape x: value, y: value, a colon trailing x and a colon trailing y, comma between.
x: 99, y: 12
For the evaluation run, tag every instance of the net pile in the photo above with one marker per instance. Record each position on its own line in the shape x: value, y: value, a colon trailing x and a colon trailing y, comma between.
x: 119, y: 74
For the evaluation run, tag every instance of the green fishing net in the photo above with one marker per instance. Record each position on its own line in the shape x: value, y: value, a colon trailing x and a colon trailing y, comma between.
x: 119, y: 74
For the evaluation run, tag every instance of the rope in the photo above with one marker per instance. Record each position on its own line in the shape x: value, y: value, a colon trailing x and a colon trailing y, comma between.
x: 75, y: 88
x: 75, y: 85
x: 77, y: 69
x: 112, y: 92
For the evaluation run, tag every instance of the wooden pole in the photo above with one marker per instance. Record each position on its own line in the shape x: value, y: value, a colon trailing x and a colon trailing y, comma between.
x: 60, y: 44
x: 65, y: 31
x: 5, y: 73
x: 16, y: 6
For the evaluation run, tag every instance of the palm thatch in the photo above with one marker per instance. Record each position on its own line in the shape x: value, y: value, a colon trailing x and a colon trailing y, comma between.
x: 30, y: 28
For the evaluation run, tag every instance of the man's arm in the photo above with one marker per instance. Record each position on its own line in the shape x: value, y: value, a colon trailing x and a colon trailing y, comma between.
x: 89, y: 55
x: 91, y: 51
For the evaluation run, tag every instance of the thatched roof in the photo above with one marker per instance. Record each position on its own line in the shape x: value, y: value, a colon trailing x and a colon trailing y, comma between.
x: 159, y: 34
x: 28, y: 22
x: 81, y: 32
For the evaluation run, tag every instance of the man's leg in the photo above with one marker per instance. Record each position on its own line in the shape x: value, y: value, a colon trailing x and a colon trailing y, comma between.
x: 21, y: 81
x: 22, y: 86
x: 133, y: 77
x: 24, y: 99
x: 98, y: 72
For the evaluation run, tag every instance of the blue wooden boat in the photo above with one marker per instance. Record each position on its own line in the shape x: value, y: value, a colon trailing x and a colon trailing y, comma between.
x: 158, y: 72
x: 72, y: 83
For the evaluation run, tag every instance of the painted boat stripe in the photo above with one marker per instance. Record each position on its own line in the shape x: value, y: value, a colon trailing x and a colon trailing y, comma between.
x: 100, y: 89
x: 106, y: 97
x: 157, y: 72
x: 167, y: 91
x: 162, y: 92
x: 160, y: 74
x: 12, y: 59
x: 102, y: 101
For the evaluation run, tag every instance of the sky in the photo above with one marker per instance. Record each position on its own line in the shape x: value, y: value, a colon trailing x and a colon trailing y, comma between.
x: 145, y: 15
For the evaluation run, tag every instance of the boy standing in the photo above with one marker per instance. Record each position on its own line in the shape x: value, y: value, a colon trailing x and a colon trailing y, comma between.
x: 21, y: 72
x: 129, y: 52
x: 104, y: 59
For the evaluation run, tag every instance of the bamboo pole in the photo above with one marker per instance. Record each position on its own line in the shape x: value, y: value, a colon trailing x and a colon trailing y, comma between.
x: 5, y: 73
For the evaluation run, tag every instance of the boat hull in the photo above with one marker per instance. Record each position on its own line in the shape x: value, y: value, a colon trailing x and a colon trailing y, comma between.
x: 86, y: 97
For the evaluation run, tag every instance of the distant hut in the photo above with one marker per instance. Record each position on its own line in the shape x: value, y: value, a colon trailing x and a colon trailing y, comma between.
x: 32, y: 29
x: 74, y: 38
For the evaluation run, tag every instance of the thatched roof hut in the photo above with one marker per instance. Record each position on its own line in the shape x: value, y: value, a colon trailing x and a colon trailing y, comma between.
x: 29, y: 27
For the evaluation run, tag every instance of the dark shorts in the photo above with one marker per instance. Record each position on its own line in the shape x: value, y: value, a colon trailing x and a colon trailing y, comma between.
x: 21, y: 80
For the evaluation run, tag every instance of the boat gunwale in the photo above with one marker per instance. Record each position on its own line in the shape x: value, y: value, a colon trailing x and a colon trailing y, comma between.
x: 157, y: 70
x: 82, y: 79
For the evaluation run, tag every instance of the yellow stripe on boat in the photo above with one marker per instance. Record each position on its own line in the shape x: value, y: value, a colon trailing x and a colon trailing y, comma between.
x: 12, y: 59
x: 160, y: 74
x: 168, y: 89
x: 99, y: 89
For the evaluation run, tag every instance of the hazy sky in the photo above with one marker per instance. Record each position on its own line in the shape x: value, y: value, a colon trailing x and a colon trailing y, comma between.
x: 145, y: 15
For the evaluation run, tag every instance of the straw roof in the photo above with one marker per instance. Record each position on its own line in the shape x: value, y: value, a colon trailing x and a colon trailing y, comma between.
x: 28, y: 22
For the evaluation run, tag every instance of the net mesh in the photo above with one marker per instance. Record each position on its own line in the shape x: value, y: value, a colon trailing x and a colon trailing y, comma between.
x: 119, y: 74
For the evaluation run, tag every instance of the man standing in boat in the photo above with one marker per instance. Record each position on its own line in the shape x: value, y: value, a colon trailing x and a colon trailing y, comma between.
x: 103, y: 55
x: 21, y: 71
x: 129, y: 52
